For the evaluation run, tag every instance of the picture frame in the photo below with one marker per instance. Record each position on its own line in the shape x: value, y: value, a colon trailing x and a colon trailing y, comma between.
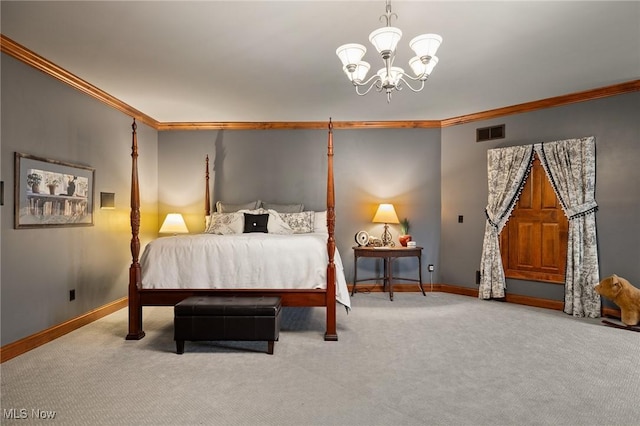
x: 51, y: 193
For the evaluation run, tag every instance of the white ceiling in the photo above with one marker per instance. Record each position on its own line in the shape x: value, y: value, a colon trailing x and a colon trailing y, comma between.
x: 201, y: 61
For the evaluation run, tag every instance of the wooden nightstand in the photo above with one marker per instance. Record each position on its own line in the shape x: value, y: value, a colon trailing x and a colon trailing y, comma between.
x: 387, y: 254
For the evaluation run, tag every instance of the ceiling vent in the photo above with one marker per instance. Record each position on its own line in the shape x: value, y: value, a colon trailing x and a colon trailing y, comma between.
x: 490, y: 133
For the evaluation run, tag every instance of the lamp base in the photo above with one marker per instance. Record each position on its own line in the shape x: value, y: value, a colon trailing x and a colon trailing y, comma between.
x: 386, y: 237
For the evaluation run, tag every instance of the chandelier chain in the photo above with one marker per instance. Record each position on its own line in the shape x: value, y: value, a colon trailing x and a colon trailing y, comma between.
x: 388, y: 14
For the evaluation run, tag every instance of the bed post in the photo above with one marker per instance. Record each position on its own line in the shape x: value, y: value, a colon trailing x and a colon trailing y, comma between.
x: 331, y: 333
x: 207, y: 201
x: 135, y: 306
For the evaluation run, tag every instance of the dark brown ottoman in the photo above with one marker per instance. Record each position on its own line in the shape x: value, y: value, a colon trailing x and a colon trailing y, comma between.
x: 200, y: 318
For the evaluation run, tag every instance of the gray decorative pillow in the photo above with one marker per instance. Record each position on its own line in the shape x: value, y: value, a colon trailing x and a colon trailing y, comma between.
x: 284, y: 208
x: 230, y: 208
x: 301, y: 223
x: 225, y: 224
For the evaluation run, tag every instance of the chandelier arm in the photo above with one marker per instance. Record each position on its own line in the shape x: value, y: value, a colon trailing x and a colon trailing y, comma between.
x: 373, y: 80
x: 409, y: 85
x: 422, y: 77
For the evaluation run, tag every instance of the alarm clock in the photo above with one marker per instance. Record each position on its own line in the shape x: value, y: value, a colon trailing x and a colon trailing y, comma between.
x: 362, y: 238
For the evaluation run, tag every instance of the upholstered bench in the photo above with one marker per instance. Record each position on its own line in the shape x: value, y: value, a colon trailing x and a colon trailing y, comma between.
x: 201, y: 318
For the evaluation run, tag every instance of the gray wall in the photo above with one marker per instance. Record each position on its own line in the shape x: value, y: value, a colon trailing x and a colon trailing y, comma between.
x: 371, y: 166
x: 613, y: 121
x: 44, y: 117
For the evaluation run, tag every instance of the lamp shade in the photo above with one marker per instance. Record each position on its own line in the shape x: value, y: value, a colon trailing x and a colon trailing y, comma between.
x: 174, y: 224
x: 386, y: 214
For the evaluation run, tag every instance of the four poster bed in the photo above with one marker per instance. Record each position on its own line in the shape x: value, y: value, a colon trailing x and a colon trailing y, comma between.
x: 193, y: 247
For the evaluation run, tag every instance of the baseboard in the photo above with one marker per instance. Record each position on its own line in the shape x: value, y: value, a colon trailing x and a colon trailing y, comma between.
x: 537, y: 302
x: 21, y: 346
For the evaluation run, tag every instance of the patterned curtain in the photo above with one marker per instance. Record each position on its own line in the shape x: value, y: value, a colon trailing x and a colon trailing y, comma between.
x: 570, y: 165
x: 507, y: 169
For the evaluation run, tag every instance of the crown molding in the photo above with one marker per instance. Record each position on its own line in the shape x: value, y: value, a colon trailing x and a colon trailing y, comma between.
x: 279, y: 125
x: 587, y: 95
x: 36, y: 61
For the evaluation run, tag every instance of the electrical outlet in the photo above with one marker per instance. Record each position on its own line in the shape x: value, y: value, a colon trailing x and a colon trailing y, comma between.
x: 430, y: 268
x: 72, y: 295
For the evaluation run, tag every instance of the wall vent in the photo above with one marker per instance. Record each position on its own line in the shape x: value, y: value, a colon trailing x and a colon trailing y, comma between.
x: 490, y: 133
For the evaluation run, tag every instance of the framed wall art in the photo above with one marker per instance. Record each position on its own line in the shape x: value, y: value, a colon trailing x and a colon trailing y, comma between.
x: 51, y: 193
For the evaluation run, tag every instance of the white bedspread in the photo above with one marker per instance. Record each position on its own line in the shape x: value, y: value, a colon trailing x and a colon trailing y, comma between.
x: 254, y: 260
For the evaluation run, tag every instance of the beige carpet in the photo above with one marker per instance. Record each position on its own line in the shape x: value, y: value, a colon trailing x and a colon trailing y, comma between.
x: 437, y: 360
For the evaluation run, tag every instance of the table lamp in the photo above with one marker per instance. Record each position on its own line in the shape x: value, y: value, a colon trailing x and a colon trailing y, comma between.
x: 174, y: 224
x: 386, y: 214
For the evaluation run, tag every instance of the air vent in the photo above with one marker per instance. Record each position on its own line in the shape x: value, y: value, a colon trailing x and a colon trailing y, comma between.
x: 490, y: 133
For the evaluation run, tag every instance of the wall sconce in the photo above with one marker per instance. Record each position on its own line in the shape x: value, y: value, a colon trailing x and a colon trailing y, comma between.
x: 386, y: 214
x: 174, y: 224
x: 107, y: 200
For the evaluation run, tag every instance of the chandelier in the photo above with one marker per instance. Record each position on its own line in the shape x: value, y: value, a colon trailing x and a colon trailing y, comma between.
x: 390, y: 77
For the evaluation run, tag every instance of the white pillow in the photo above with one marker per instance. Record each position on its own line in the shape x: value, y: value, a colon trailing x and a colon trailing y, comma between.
x: 320, y: 222
x: 301, y: 223
x: 275, y: 225
x: 225, y: 223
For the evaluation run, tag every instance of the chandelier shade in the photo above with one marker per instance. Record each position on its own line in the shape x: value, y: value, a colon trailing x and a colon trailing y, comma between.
x: 389, y: 78
x: 421, y: 69
x: 425, y: 45
x: 360, y: 72
x: 385, y: 39
x: 351, y: 53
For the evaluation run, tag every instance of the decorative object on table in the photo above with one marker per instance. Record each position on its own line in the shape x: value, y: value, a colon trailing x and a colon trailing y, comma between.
x: 374, y: 242
x: 626, y: 296
x: 362, y: 238
x: 411, y: 244
x: 386, y: 214
x: 174, y: 224
x: 60, y: 205
x: 405, y: 237
x: 390, y: 78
